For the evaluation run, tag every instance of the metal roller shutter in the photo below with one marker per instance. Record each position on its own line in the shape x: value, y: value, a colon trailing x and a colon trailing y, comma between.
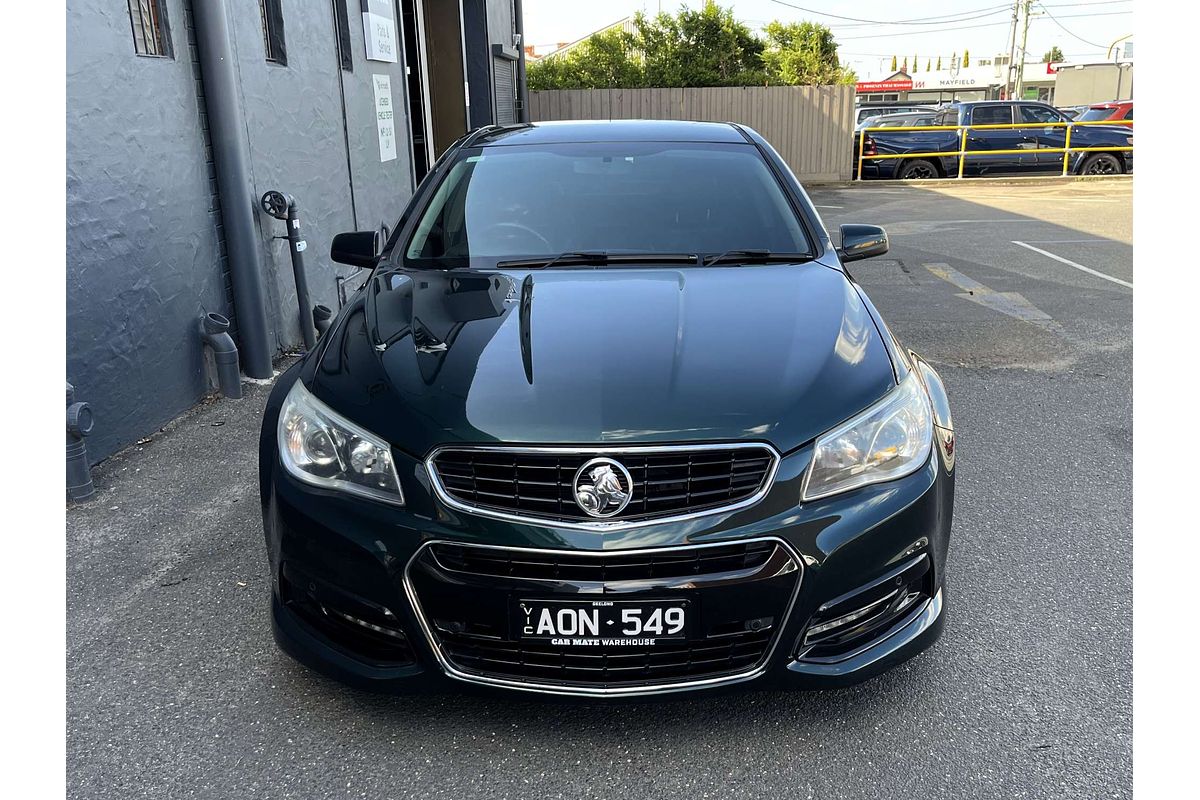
x: 506, y: 93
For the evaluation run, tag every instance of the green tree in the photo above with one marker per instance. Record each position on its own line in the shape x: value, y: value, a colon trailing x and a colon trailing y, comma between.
x: 893, y: 63
x: 1053, y: 54
x: 928, y: 65
x: 939, y: 66
x: 707, y: 47
x: 966, y: 58
x: 604, y: 60
x: 914, y: 62
x: 803, y: 53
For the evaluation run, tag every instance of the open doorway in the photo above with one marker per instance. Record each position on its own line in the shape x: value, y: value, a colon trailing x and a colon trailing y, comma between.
x: 418, y: 95
x: 433, y: 53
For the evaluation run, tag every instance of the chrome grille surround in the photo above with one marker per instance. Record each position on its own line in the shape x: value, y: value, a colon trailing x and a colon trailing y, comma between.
x: 755, y: 671
x: 616, y: 452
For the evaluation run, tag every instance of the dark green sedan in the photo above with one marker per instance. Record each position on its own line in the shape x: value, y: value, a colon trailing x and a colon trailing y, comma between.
x: 608, y: 418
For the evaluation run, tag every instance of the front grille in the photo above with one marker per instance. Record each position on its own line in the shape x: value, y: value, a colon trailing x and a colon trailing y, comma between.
x: 666, y: 482
x: 739, y: 594
x: 694, y: 660
x: 641, y: 565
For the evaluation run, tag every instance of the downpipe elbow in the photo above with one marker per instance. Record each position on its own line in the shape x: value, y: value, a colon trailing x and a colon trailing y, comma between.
x: 79, y: 424
x: 214, y: 332
x: 322, y: 318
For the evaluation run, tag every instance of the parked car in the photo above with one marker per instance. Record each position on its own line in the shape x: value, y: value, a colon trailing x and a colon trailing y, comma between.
x: 609, y: 417
x: 909, y: 119
x: 873, y: 109
x: 1073, y: 112
x: 1118, y: 109
x: 1018, y: 149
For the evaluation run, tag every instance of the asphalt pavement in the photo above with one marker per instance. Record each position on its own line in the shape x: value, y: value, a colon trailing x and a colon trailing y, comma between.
x: 175, y: 688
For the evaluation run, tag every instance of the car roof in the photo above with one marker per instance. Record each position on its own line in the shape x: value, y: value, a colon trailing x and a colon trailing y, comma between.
x: 904, y: 115
x: 621, y: 130
x: 999, y: 102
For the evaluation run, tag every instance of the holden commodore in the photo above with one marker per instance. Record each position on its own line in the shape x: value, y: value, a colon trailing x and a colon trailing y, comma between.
x: 608, y: 417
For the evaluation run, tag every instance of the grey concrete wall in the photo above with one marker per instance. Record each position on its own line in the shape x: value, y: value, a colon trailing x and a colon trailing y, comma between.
x: 143, y: 253
x: 812, y: 127
x: 381, y: 190
x: 298, y: 144
x: 144, y: 242
x: 1093, y: 83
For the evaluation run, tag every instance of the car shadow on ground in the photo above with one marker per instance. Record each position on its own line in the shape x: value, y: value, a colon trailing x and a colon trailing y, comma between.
x: 738, y: 709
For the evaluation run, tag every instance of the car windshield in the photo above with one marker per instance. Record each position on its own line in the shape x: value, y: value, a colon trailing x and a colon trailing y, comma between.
x: 526, y: 201
x: 1095, y: 114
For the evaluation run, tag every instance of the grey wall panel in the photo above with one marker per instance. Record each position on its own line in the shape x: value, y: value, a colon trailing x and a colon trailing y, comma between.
x: 144, y: 255
x: 811, y: 126
x: 1093, y: 83
x: 381, y: 189
x: 142, y: 248
x: 297, y: 145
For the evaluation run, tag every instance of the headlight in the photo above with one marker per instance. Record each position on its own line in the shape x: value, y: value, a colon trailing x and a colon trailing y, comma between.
x: 887, y: 441
x: 321, y: 447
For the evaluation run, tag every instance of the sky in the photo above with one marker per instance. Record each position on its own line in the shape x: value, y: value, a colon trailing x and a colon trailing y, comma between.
x: 1082, y: 29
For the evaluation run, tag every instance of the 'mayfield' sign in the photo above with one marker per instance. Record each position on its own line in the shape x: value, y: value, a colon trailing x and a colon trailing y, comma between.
x: 947, y: 82
x: 883, y: 86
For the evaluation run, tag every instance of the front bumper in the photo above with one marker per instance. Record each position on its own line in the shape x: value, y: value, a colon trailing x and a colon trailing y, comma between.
x: 357, y: 596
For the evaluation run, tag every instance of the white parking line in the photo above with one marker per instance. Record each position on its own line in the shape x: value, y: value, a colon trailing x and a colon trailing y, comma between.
x: 1070, y: 241
x: 1070, y: 263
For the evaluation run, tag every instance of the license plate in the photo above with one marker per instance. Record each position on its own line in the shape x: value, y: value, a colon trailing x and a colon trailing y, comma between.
x: 602, y: 622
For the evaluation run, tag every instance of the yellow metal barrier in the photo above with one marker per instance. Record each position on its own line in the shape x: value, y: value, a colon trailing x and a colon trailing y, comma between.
x: 963, y: 152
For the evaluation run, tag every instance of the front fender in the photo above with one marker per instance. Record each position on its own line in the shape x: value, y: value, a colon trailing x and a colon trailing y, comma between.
x: 942, y: 419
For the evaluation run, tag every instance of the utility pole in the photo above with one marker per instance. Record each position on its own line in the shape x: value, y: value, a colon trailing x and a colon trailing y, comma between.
x: 1021, y: 55
x: 1012, y: 46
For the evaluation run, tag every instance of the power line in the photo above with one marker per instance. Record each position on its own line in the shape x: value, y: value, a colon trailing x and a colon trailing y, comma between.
x: 1067, y: 31
x: 1077, y: 5
x: 940, y: 18
x: 992, y: 13
x: 985, y: 25
x: 910, y: 33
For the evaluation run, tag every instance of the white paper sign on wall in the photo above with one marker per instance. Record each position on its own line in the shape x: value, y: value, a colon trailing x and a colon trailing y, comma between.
x: 385, y: 117
x: 379, y: 26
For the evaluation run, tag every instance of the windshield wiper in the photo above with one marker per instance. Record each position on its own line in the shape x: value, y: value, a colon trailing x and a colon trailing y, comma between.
x: 599, y: 258
x: 755, y: 257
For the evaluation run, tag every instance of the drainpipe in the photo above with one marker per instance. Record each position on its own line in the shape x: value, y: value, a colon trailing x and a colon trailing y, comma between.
x: 231, y: 154
x: 79, y: 425
x: 322, y: 318
x: 522, y: 86
x: 214, y: 331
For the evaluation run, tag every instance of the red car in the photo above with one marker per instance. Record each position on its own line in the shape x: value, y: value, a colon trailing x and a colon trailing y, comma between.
x: 1118, y: 109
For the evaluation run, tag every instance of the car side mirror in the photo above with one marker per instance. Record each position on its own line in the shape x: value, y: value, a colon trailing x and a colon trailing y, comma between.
x: 862, y: 241
x: 357, y: 248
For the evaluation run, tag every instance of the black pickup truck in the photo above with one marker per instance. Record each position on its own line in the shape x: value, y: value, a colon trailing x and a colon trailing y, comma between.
x: 1020, y: 150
